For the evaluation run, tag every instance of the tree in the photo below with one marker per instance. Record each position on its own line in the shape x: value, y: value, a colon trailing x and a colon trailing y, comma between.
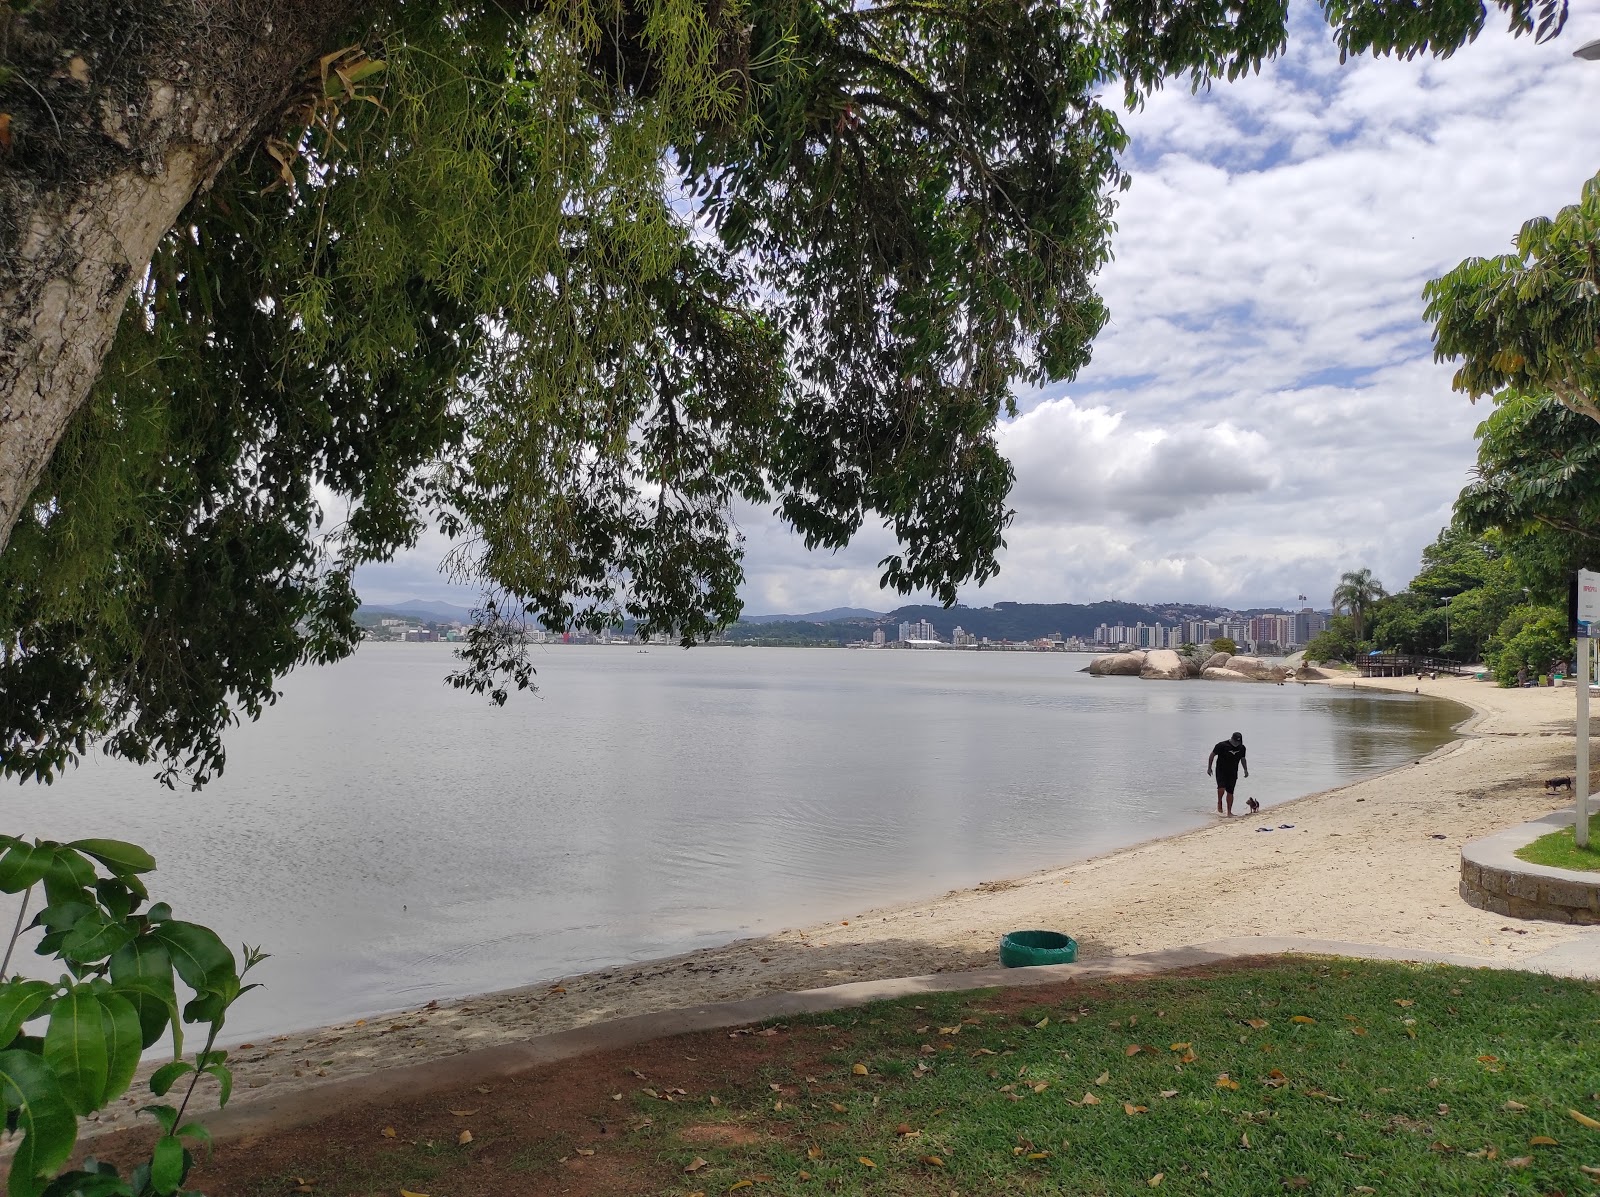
x: 1356, y: 594
x: 1528, y: 320
x: 1224, y: 644
x: 1530, y: 638
x: 427, y: 259
x: 1337, y: 642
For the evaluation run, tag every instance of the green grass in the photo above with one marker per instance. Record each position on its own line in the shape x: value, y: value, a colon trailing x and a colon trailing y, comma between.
x: 1559, y: 849
x: 1401, y: 1085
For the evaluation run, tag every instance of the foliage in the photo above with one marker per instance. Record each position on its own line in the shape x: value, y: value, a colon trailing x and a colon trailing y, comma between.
x: 1530, y: 638
x: 1357, y: 593
x: 1529, y: 320
x: 119, y: 994
x: 1224, y: 644
x: 1337, y: 642
x: 457, y: 287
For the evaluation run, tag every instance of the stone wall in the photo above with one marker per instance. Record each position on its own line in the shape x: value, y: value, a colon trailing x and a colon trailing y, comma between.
x: 1528, y: 895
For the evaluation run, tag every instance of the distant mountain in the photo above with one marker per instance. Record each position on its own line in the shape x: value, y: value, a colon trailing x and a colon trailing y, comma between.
x: 418, y: 609
x: 833, y: 615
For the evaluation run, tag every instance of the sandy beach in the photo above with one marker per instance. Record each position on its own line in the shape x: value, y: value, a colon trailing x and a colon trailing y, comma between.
x: 1360, y: 863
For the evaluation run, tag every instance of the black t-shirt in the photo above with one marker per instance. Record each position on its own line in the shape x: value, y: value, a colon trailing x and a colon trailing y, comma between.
x: 1229, y: 755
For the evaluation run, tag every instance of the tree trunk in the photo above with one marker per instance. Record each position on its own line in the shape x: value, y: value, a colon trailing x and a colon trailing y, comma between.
x: 115, y: 113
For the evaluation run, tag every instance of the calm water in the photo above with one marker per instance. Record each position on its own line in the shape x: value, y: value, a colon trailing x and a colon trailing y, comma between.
x: 391, y: 840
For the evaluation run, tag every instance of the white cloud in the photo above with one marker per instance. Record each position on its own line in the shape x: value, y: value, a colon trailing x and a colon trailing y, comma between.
x: 1263, y: 410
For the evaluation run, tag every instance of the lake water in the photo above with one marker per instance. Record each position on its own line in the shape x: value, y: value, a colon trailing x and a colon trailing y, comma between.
x: 391, y: 840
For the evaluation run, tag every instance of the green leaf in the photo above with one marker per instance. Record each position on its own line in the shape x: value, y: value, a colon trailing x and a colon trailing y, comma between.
x: 168, y: 1165
x: 202, y: 960
x: 142, y: 970
x: 168, y: 1075
x: 90, y: 1184
x: 29, y: 1087
x: 224, y: 1078
x: 23, y: 865
x: 161, y: 912
x: 195, y: 1132
x: 19, y: 1001
x: 95, y: 937
x: 117, y: 856
x: 166, y: 1115
x: 124, y: 1041
x: 75, y: 1047
x: 63, y: 916
x: 68, y: 873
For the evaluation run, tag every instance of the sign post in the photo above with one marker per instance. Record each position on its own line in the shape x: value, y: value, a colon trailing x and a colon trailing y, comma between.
x: 1588, y: 587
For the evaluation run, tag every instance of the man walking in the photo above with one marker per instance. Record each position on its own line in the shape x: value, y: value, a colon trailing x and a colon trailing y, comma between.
x: 1228, y: 757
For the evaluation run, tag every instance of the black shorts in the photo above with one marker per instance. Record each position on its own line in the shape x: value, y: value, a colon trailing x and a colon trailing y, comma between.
x: 1227, y: 779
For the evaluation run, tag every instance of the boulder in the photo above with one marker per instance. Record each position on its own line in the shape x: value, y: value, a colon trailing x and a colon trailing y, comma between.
x: 1256, y: 669
x: 1163, y: 665
x: 1215, y: 661
x: 1211, y: 674
x: 1117, y: 665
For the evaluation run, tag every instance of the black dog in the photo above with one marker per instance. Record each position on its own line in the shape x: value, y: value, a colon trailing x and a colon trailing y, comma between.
x: 1252, y: 804
x: 1558, y: 783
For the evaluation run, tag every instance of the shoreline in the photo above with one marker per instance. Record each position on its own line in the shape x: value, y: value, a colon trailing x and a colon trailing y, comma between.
x: 1373, y: 860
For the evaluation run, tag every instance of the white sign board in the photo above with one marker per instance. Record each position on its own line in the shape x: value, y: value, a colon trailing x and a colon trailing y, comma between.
x: 1589, y: 600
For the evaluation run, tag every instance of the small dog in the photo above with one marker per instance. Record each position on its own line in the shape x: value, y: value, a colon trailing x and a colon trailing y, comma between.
x: 1558, y: 783
x: 1252, y: 804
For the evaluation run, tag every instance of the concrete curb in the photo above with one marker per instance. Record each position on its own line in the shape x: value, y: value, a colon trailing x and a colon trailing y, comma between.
x: 271, y: 1113
x: 1492, y: 878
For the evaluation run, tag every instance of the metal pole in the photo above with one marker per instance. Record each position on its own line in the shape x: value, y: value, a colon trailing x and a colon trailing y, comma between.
x: 1580, y: 826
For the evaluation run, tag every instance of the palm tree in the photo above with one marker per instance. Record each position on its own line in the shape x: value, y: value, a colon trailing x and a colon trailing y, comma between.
x: 1357, y: 592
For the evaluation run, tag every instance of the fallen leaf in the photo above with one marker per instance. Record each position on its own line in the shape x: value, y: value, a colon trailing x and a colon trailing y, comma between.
x: 1521, y: 1161
x: 5, y: 130
x: 1188, y: 1057
x: 740, y: 1184
x: 713, y: 1099
x: 1257, y: 1023
x: 1583, y: 1119
x: 1244, y: 1139
x: 1224, y: 1081
x: 955, y: 1030
x: 585, y: 1150
x: 775, y: 1088
x: 1588, y: 1171
x: 1488, y: 1059
x: 464, y: 1138
x: 1275, y: 1080
x: 1514, y: 1107
x: 1297, y: 1182
x: 409, y: 1193
x: 1542, y: 1141
x: 1180, y: 1047
x: 1358, y: 1030
x: 934, y: 1160
x: 1133, y: 1049
x: 1156, y: 1179
x: 387, y: 1132
x: 837, y: 1108
x: 865, y: 1162
x: 694, y: 1165
x: 813, y: 1153
x: 1040, y: 1086
x: 1169, y: 1093
x: 859, y: 1069
x: 1405, y: 1002
x: 1038, y: 1155
x: 1089, y: 1099
x: 1042, y: 1023
x: 470, y: 1113
x: 1130, y: 1109
x: 1103, y: 1078
x: 1304, y: 1020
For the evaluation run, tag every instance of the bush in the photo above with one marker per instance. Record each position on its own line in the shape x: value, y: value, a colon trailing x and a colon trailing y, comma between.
x: 1529, y: 638
x: 1224, y: 644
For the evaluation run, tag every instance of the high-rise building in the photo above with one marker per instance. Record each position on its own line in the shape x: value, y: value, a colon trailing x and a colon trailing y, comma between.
x: 962, y: 638
x: 920, y: 630
x: 877, y: 637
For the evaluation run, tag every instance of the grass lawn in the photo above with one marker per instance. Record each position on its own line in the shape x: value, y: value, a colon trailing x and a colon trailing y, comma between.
x: 1304, y: 1075
x: 1559, y: 849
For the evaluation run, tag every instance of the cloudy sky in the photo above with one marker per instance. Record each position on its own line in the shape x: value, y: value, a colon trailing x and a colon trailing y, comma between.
x: 1263, y: 410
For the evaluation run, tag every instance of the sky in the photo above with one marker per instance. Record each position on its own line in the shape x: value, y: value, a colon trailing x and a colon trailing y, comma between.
x: 1263, y: 410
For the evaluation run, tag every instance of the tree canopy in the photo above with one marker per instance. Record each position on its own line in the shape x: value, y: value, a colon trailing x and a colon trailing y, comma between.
x: 570, y: 283
x: 1528, y: 320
